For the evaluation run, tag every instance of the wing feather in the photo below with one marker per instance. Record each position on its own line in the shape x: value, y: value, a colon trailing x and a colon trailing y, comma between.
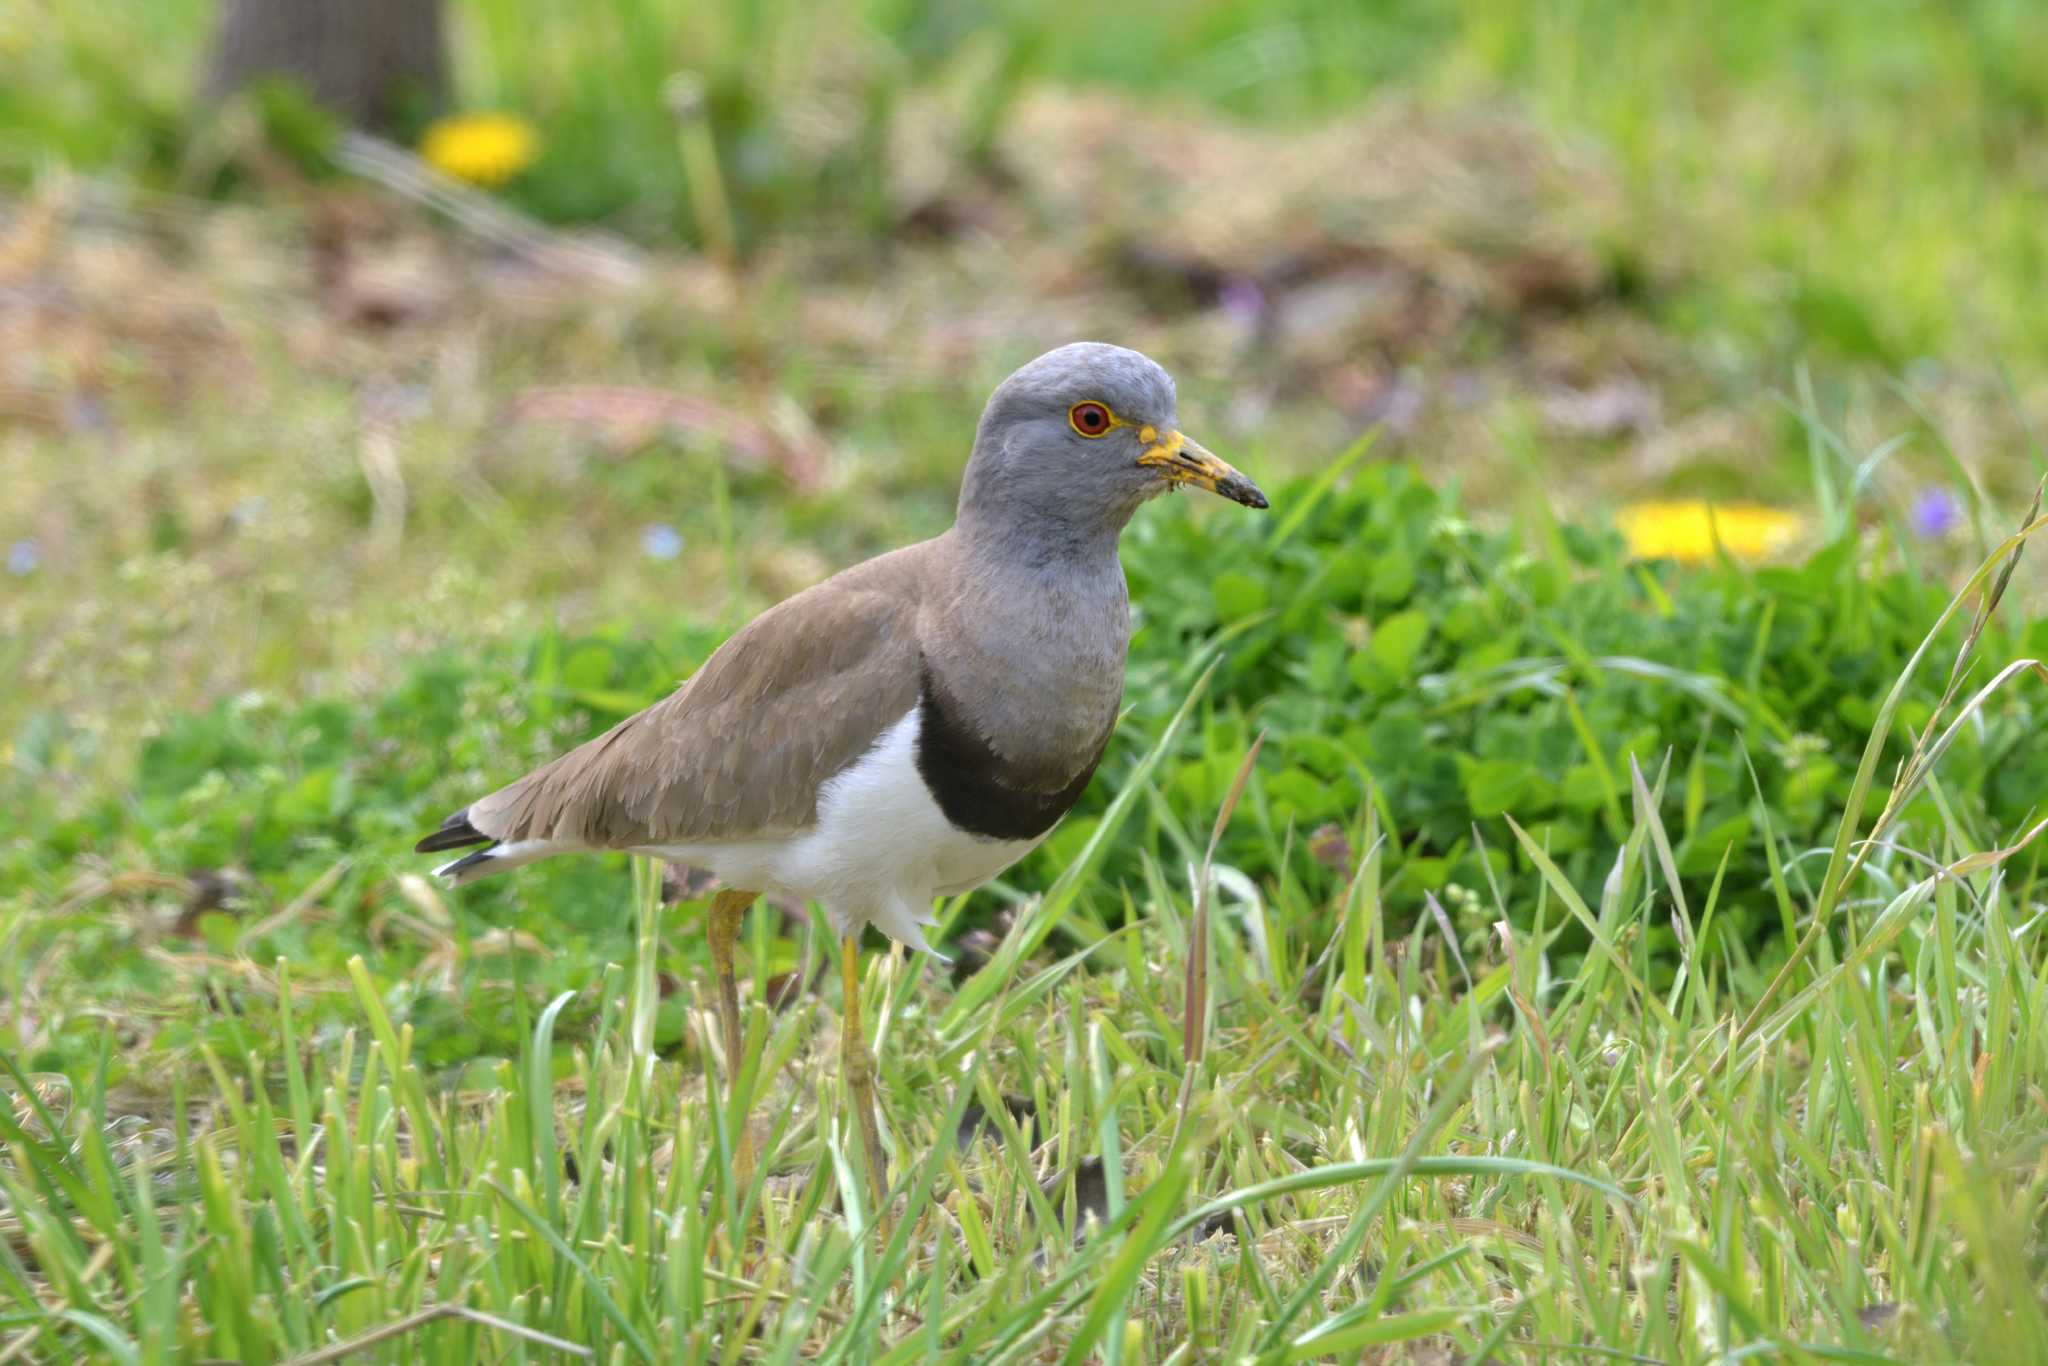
x: 741, y: 749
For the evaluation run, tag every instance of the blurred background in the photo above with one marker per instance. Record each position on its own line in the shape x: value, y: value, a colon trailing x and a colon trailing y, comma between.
x: 392, y: 394
x: 332, y: 331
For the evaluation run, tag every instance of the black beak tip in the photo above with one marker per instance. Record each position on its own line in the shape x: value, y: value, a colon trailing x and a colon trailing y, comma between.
x: 1242, y: 490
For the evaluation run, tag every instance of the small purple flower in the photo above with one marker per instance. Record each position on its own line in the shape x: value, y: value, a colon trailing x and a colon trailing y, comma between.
x: 1242, y: 301
x: 661, y: 542
x: 24, y: 558
x: 1935, y: 513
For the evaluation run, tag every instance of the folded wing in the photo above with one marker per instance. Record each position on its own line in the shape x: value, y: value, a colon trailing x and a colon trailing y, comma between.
x: 742, y: 748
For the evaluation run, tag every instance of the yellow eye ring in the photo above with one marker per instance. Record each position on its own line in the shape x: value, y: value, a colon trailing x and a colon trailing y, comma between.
x: 1092, y: 419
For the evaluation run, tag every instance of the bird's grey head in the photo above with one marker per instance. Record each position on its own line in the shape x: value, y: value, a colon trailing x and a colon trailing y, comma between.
x: 1073, y: 442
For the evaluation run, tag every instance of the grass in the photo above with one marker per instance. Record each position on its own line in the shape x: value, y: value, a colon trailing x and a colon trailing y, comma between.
x: 1383, y: 1145
x: 1395, y: 656
x: 1592, y: 960
x: 1159, y: 1115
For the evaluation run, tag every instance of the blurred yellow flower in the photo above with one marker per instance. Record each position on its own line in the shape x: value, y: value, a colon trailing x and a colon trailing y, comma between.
x: 1687, y: 531
x: 483, y: 149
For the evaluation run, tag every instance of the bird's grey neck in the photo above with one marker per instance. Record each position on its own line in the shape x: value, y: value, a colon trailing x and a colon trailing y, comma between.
x: 1068, y: 583
x: 1044, y: 643
x: 1037, y: 541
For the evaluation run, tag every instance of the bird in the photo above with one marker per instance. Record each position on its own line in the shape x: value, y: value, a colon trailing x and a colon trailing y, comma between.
x: 906, y: 729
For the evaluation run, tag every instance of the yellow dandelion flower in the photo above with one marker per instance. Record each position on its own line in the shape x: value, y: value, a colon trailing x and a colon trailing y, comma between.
x: 483, y: 149
x: 1688, y: 531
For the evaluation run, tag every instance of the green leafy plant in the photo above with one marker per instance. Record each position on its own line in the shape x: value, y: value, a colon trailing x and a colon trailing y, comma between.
x: 1324, y: 1176
x: 1399, y: 656
x: 1404, y: 664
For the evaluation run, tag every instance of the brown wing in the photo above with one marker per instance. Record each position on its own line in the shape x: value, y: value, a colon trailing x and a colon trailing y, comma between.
x: 741, y: 748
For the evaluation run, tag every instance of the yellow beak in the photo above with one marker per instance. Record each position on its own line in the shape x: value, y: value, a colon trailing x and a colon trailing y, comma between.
x: 1186, y: 462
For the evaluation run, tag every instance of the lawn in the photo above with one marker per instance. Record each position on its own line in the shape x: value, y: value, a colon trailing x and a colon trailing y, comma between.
x: 1492, y: 935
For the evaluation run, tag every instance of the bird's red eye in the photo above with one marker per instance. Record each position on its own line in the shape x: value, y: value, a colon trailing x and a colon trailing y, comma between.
x: 1090, y: 419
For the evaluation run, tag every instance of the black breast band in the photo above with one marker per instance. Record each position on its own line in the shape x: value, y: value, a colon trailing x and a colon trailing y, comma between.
x: 967, y: 778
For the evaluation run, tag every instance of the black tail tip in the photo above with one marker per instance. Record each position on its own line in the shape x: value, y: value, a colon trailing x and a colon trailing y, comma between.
x: 455, y: 833
x: 455, y: 872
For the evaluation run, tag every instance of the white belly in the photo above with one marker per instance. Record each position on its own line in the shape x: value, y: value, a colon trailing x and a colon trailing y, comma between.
x: 880, y: 851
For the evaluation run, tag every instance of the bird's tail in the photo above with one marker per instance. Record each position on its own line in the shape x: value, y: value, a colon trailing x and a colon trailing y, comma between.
x: 495, y: 857
x: 498, y: 858
x: 455, y: 832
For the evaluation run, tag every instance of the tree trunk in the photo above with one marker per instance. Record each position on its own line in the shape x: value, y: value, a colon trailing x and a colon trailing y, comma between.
x: 369, y: 61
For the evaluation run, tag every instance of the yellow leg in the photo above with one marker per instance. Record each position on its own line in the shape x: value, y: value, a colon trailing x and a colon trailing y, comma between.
x: 728, y: 907
x: 859, y: 1065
